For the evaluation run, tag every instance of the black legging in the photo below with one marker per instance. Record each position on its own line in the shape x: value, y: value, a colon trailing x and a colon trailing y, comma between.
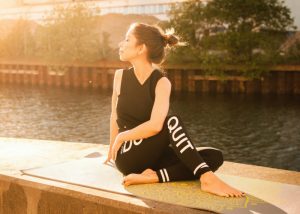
x: 170, y: 153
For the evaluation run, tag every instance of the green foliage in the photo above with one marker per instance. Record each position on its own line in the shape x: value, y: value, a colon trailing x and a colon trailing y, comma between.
x: 19, y: 42
x: 69, y: 34
x: 247, y: 33
x: 105, y: 48
x: 295, y: 53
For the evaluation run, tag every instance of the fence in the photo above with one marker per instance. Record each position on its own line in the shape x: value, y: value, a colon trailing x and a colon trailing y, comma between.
x: 280, y: 80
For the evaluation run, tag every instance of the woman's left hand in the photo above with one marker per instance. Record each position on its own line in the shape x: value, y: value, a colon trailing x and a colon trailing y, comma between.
x: 117, y: 144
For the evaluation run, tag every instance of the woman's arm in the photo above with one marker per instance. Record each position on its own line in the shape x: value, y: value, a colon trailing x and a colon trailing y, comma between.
x: 113, y: 115
x: 113, y: 130
x: 113, y: 118
x: 159, y: 112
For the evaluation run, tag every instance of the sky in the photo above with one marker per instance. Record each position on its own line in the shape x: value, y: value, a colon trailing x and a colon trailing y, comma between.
x: 294, y: 5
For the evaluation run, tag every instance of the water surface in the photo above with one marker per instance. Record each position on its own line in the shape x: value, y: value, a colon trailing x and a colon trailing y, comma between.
x: 253, y: 129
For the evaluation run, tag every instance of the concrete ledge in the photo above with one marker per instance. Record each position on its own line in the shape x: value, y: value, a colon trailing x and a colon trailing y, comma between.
x: 25, y: 194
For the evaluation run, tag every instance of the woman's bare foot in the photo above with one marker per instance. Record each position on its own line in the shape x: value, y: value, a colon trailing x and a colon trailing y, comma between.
x: 212, y: 184
x: 209, y: 183
x: 146, y: 177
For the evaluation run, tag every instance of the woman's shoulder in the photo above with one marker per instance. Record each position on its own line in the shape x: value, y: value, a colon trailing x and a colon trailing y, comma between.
x: 163, y: 82
x: 117, y: 80
x: 163, y: 76
x: 119, y: 72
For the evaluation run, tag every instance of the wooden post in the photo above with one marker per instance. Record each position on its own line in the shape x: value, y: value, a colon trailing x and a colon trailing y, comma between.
x: 95, y: 78
x: 49, y: 80
x: 280, y: 80
x: 66, y: 79
x: 296, y: 84
x: 177, y: 80
x: 25, y: 75
x: 21, y: 74
x: 18, y: 75
x: 6, y: 76
x: 2, y: 69
x: 289, y: 82
x: 13, y: 75
x: 227, y: 86
x: 249, y: 87
x: 191, y: 81
x: 273, y: 81
x: 33, y: 75
x: 184, y: 80
x: 3, y: 74
x: 213, y: 86
x: 220, y: 86
x: 75, y: 77
x: 42, y: 75
x: 257, y: 85
x: 266, y: 84
x: 84, y: 77
x: 204, y: 85
x: 57, y: 79
x: 241, y: 86
x: 104, y: 78
x: 89, y: 76
x: 10, y: 74
x: 235, y: 86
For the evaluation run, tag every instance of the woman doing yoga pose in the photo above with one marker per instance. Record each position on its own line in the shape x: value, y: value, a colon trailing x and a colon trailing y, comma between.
x: 147, y: 143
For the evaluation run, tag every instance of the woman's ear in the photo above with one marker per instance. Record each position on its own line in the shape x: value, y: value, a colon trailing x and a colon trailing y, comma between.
x: 142, y: 49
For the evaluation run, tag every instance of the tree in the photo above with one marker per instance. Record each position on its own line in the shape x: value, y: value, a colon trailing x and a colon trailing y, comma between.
x: 70, y: 35
x: 234, y: 32
x: 105, y: 50
x: 19, y: 42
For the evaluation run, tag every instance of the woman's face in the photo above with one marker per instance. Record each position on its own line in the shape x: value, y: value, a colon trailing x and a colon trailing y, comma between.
x: 128, y: 49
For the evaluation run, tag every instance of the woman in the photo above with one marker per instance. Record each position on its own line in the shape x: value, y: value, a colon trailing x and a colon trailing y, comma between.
x: 146, y: 143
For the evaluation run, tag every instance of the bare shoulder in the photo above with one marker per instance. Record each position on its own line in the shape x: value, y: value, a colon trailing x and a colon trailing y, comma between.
x: 117, y: 80
x: 118, y: 73
x: 164, y: 84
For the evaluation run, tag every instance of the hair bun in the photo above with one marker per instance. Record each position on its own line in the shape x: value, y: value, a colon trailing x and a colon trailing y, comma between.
x: 170, y: 40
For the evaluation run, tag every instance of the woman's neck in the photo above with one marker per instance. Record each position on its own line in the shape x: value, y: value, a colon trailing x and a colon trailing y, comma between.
x: 142, y: 69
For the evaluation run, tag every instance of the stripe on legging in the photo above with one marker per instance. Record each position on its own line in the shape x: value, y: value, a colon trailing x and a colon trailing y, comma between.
x: 201, y: 165
x: 162, y: 175
x: 167, y: 176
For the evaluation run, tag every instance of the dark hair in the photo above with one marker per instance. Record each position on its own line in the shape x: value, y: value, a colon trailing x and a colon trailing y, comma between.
x: 155, y: 40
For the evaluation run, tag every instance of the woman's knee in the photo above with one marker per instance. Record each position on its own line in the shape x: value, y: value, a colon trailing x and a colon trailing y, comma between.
x: 213, y: 157
x: 219, y: 158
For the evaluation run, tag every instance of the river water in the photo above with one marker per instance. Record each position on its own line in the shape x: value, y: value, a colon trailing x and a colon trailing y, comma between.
x: 253, y: 129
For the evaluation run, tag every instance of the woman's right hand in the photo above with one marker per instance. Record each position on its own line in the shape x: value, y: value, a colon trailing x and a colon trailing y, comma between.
x: 109, y: 157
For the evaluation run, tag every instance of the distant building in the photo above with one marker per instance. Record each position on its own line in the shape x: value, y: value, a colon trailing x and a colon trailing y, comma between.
x: 293, y: 39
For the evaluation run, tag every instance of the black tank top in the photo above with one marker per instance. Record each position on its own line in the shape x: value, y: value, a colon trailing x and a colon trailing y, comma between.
x: 135, y: 101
